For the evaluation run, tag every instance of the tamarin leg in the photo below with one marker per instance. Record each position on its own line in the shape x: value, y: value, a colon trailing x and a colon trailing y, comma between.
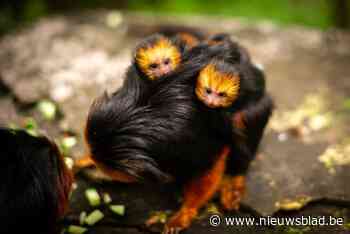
x: 197, y: 193
x: 232, y: 191
x: 252, y: 120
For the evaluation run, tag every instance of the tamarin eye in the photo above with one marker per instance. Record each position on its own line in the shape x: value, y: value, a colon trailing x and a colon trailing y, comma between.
x: 166, y: 61
x: 208, y: 90
x: 153, y: 65
x: 222, y: 94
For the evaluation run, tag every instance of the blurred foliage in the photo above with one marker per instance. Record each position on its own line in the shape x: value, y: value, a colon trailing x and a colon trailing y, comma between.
x: 314, y: 13
x: 311, y: 13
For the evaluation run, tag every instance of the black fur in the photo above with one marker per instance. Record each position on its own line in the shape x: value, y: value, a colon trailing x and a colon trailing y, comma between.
x: 234, y: 52
x: 35, y: 183
x: 245, y: 146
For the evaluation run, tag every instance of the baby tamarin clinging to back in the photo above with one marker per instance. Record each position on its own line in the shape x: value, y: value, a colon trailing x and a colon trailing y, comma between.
x: 238, y: 91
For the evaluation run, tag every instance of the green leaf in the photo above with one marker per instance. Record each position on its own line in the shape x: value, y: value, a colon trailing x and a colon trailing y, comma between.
x: 118, y: 209
x: 73, y: 229
x: 94, y: 217
x: 93, y: 197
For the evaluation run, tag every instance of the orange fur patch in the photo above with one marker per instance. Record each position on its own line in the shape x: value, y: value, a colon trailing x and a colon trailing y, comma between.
x: 239, y: 120
x: 189, y: 39
x: 84, y: 162
x: 218, y: 82
x: 232, y: 191
x: 198, y: 192
x: 161, y: 50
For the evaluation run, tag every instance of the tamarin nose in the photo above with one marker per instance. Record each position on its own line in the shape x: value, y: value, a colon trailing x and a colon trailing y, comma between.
x: 164, y: 70
x: 212, y: 99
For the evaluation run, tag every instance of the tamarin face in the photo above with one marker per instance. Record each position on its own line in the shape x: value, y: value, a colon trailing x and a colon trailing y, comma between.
x: 218, y: 85
x: 157, y: 56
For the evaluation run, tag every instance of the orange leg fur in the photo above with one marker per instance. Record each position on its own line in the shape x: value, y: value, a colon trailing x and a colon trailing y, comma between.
x: 85, y: 161
x: 197, y: 193
x: 232, y: 190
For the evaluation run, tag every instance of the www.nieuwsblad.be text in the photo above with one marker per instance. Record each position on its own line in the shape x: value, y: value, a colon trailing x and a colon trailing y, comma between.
x: 217, y: 220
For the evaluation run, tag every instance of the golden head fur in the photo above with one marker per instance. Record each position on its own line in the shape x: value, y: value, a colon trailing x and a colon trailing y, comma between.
x: 155, y: 52
x: 224, y: 86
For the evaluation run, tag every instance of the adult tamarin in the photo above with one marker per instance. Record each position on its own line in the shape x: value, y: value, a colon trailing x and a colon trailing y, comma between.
x: 237, y: 90
x: 168, y: 136
x: 35, y: 183
x: 130, y: 141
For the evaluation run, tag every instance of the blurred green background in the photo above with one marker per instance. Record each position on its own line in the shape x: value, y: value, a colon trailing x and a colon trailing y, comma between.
x: 321, y: 14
